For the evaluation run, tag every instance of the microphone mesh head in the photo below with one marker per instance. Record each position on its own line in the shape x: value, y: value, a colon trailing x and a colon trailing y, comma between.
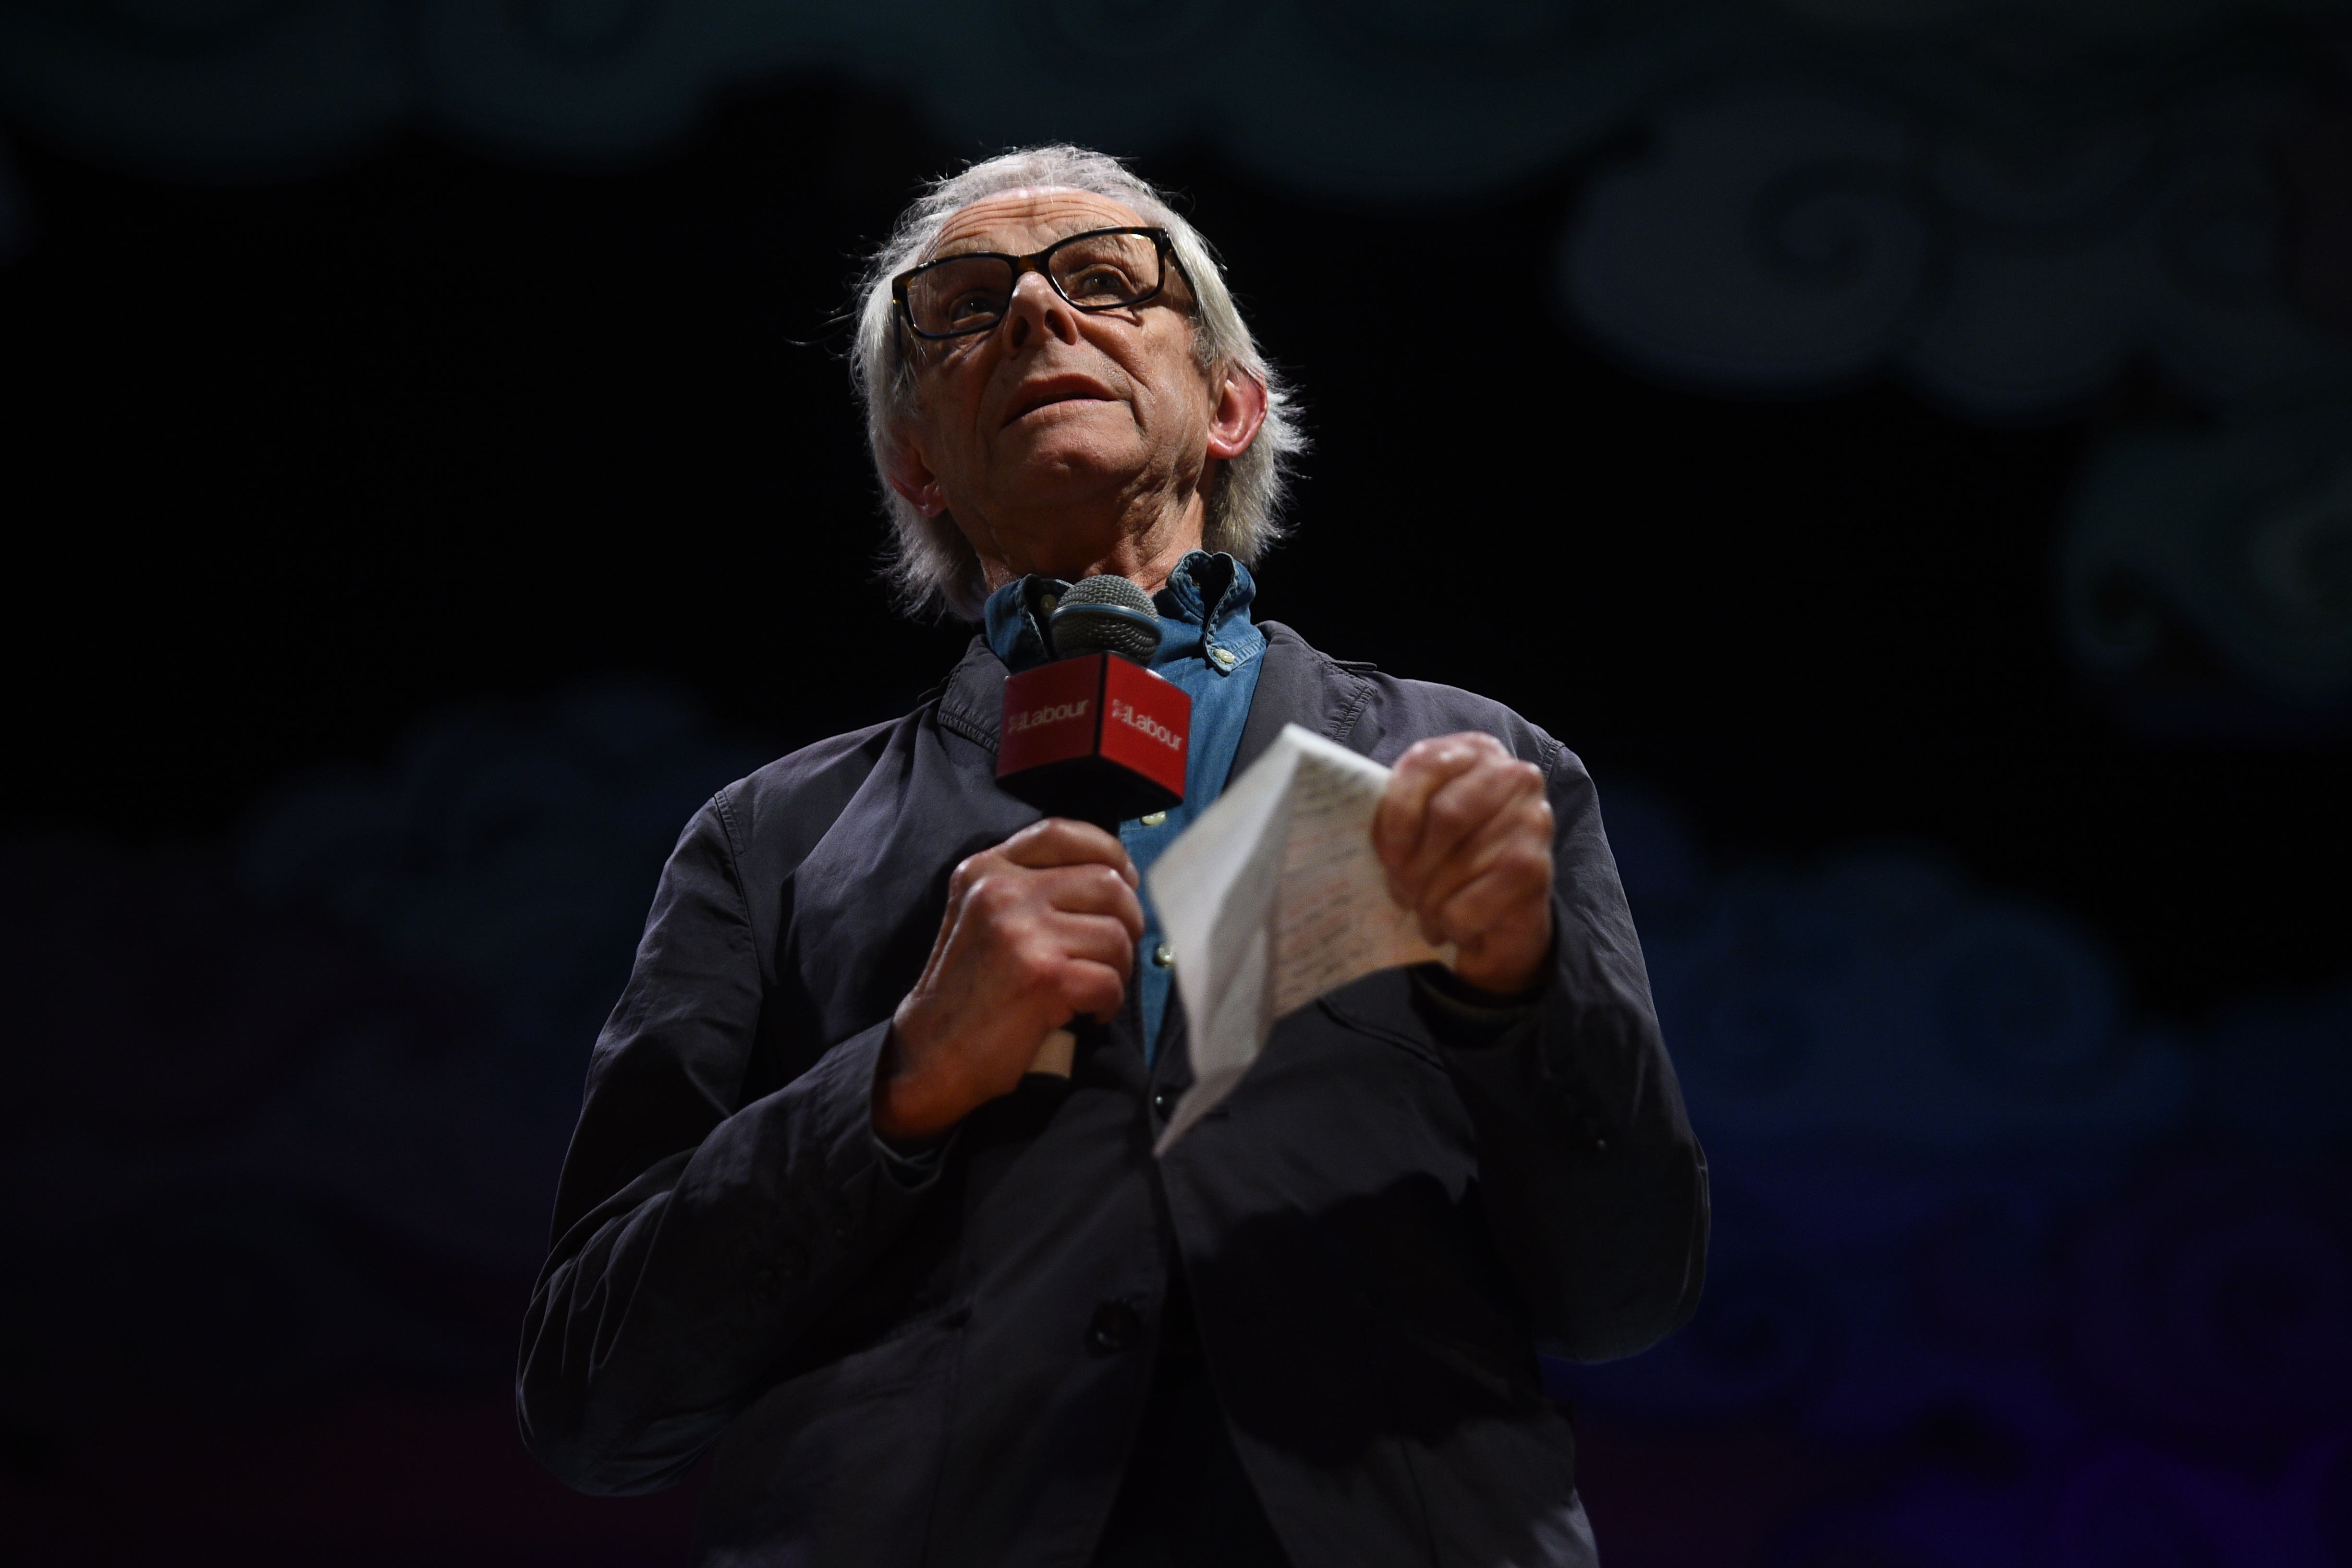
x: 1105, y: 614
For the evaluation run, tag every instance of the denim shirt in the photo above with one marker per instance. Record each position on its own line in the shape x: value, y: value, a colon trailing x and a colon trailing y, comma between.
x: 1208, y: 648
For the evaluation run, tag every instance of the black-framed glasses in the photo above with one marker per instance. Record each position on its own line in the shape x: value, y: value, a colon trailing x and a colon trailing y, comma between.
x: 1101, y: 269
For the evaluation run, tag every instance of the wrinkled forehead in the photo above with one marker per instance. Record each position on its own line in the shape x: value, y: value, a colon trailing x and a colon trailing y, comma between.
x: 1021, y: 222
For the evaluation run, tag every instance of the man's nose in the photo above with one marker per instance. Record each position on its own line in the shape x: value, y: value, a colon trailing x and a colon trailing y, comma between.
x: 1037, y: 310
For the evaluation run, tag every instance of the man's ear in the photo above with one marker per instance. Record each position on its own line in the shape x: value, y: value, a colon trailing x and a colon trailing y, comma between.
x: 1241, y: 409
x: 912, y: 478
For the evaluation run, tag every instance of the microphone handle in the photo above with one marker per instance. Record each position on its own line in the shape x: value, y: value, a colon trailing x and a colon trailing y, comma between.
x: 1055, y: 1054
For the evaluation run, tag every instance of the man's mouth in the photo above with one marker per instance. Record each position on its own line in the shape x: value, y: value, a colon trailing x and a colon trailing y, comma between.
x: 1046, y: 394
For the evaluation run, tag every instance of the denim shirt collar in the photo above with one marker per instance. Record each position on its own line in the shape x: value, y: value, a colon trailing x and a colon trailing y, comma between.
x: 1205, y: 615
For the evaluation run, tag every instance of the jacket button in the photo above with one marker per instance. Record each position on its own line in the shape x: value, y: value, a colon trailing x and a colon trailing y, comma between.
x: 1115, y: 1327
x: 1163, y: 1101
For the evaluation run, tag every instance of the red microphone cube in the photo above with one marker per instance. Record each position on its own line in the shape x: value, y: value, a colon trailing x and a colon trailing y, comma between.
x: 1097, y: 737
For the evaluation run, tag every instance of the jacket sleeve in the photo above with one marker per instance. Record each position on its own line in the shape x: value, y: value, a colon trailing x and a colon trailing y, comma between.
x: 1592, y: 1177
x: 695, y: 1236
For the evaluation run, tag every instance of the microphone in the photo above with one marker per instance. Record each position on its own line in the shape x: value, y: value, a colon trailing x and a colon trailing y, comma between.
x: 1095, y: 735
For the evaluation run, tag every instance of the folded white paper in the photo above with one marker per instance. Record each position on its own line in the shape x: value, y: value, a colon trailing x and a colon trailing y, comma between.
x: 1272, y: 898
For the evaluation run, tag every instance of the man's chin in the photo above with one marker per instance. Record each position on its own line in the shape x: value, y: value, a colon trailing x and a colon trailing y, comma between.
x: 1065, y: 460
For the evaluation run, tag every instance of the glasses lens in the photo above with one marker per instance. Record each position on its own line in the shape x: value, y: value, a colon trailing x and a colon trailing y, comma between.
x: 1098, y: 271
x: 960, y: 294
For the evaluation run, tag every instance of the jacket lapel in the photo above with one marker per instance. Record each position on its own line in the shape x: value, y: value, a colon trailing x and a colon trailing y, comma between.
x: 1299, y: 685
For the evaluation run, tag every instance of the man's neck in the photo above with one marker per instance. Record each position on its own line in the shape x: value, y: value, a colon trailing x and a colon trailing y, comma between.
x: 1142, y: 550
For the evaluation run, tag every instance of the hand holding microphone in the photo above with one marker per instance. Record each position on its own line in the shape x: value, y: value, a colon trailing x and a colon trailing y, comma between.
x: 1038, y: 930
x: 1043, y: 928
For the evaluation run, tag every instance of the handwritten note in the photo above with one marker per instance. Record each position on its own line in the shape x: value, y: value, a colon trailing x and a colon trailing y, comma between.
x: 1272, y: 898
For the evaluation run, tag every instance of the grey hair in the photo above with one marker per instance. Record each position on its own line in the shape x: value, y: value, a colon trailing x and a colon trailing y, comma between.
x: 932, y: 566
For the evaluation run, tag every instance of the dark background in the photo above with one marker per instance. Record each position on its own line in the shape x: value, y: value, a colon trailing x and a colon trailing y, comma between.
x: 407, y: 535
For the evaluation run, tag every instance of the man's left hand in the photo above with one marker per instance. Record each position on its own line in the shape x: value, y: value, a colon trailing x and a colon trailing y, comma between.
x: 1466, y: 833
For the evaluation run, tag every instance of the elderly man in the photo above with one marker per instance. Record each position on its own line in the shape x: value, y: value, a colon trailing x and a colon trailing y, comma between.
x: 933, y: 1307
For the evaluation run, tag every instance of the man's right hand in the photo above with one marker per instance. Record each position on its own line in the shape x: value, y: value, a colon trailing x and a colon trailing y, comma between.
x: 1039, y: 930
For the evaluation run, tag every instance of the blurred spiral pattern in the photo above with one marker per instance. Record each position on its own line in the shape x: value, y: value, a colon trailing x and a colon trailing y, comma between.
x: 224, y: 1001
x: 1880, y: 996
x: 283, y: 1127
x: 1768, y: 240
x: 515, y: 849
x: 1778, y: 238
x: 2056, y: 1286
x: 2002, y: 204
x: 2212, y: 1304
x: 2240, y: 537
x: 2083, y: 1288
x: 286, y: 1123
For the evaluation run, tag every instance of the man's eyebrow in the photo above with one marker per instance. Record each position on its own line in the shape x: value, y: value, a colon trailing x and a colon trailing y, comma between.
x: 944, y: 253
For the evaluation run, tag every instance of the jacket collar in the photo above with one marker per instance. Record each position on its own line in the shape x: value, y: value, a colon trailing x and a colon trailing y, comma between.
x: 1205, y: 613
x: 1299, y: 685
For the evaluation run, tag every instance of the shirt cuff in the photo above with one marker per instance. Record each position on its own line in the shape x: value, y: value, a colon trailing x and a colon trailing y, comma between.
x: 911, y: 1165
x: 1465, y: 1017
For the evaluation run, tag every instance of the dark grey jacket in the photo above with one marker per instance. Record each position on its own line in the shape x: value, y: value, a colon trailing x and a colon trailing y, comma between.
x: 1378, y: 1227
